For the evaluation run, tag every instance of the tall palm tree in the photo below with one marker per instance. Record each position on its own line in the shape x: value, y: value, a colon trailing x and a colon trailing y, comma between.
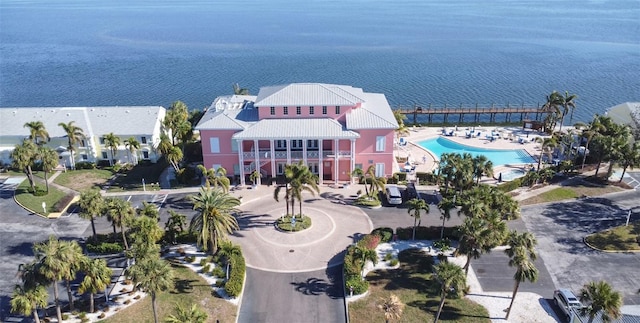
x: 164, y: 145
x: 174, y: 156
x: 91, y: 205
x: 237, y: 90
x: 552, y: 106
x: 53, y: 266
x: 479, y: 236
x: 216, y: 177
x: 215, y: 218
x: 287, y: 195
x: 402, y: 129
x: 112, y: 142
x: 375, y: 183
x: 175, y: 223
x: 74, y: 135
x: 149, y: 209
x: 75, y: 259
x: 590, y: 131
x: 630, y: 158
x: 450, y: 276
x: 26, y: 301
x: 37, y: 130
x: 49, y: 161
x: 601, y: 299
x: 176, y: 120
x: 568, y: 105
x: 415, y: 208
x: 445, y: 206
x: 145, y: 233
x: 22, y: 157
x: 301, y: 179
x: 364, y: 254
x: 521, y: 252
x: 152, y: 275
x: 190, y: 315
x: 133, y: 146
x: 392, y: 307
x: 97, y: 277
x: 119, y: 212
x: 227, y: 251
x: 482, y: 166
x: 547, y: 146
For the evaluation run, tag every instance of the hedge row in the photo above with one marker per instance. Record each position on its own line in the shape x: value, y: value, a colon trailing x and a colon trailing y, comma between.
x: 353, y: 267
x: 233, y: 287
x: 427, y: 233
x: 105, y: 248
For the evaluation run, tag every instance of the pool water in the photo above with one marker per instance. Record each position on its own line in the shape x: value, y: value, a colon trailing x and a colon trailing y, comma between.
x: 511, y: 174
x: 498, y: 157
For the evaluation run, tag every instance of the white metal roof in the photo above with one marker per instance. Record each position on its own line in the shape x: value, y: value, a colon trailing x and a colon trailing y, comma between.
x: 309, y: 94
x: 318, y: 128
x: 375, y: 113
x: 131, y: 120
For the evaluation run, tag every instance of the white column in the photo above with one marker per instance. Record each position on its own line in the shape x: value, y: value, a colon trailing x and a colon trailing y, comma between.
x: 288, y: 143
x: 353, y: 159
x: 241, y: 161
x: 273, y: 158
x: 256, y: 150
x: 320, y: 162
x: 304, y: 151
x: 336, y: 159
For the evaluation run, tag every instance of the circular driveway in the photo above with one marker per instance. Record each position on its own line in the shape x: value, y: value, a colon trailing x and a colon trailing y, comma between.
x: 335, y: 226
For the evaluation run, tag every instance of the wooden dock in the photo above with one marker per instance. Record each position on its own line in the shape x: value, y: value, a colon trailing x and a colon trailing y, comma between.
x: 474, y: 114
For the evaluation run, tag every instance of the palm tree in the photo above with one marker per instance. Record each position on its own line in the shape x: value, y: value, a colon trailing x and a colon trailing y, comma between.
x: 52, y: 265
x: 75, y: 259
x: 132, y: 146
x: 191, y: 315
x: 375, y: 183
x: 49, y: 160
x: 176, y: 120
x: 552, y: 106
x: 482, y: 166
x: 174, y: 156
x: 568, y: 105
x: 145, y: 233
x: 359, y: 173
x: 287, y: 195
x: 26, y: 301
x: 215, y: 217
x: 216, y: 177
x: 402, y: 129
x: 150, y: 210
x: 415, y: 206
x: 112, y: 142
x: 601, y: 299
x: 164, y: 145
x: 152, y: 275
x: 479, y: 236
x: 175, y: 223
x: 91, y: 205
x: 97, y: 277
x: 22, y: 157
x: 227, y: 251
x: 590, y: 131
x: 37, y: 130
x: 365, y: 254
x: 630, y: 158
x: 521, y: 254
x: 119, y: 212
x: 392, y: 307
x: 450, y: 276
x: 445, y: 206
x: 547, y: 146
x: 301, y: 179
x: 74, y: 136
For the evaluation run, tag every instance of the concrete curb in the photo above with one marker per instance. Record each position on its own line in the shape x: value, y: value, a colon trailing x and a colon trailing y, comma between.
x: 607, y: 251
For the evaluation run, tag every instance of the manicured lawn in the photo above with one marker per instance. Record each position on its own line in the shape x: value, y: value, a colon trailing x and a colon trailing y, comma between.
x: 189, y: 289
x: 416, y: 287
x: 34, y: 203
x: 83, y: 179
x: 132, y: 180
x: 622, y: 238
x: 571, y: 192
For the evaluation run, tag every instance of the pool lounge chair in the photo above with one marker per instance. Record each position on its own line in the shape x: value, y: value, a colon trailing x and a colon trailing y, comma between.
x: 402, y: 141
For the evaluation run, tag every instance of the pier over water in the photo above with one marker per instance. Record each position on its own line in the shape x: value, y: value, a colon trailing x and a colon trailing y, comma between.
x: 473, y: 114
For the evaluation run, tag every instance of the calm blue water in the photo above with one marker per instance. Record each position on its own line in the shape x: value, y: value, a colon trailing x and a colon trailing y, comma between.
x: 90, y: 52
x: 498, y: 157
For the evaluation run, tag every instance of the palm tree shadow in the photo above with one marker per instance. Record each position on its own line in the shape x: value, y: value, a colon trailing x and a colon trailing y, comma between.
x: 312, y: 286
x: 183, y: 286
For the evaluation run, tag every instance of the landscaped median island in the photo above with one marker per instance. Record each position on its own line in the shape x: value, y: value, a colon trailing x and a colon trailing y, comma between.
x: 619, y: 239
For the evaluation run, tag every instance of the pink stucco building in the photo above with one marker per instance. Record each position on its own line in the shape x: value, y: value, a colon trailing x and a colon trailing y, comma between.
x: 332, y: 128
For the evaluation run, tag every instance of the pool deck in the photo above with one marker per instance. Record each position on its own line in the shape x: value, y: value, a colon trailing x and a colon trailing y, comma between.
x: 508, y: 140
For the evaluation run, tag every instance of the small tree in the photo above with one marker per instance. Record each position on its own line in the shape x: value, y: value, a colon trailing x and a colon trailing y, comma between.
x: 601, y: 298
x: 26, y: 301
x: 392, y: 307
x: 254, y: 177
x: 152, y: 275
x: 450, y: 276
x: 417, y: 205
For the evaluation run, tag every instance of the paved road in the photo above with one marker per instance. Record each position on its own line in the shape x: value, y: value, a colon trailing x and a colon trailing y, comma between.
x: 560, y: 229
x: 315, y: 296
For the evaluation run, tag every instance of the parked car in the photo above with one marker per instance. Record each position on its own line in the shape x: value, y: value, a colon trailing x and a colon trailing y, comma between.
x: 567, y: 301
x: 393, y: 195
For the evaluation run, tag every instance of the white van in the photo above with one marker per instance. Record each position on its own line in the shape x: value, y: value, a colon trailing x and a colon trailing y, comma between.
x: 393, y: 195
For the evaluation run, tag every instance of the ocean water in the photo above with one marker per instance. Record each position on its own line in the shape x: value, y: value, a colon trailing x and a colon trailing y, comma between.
x: 90, y: 52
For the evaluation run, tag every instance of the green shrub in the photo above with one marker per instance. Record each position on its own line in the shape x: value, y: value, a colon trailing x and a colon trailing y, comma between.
x: 392, y: 180
x: 427, y: 233
x: 366, y: 200
x: 426, y: 178
x: 85, y: 165
x: 284, y: 223
x: 393, y: 262
x: 388, y: 256
x: 351, y: 266
x: 82, y: 315
x: 233, y: 287
x: 38, y: 191
x: 65, y: 316
x: 206, y: 268
x: 400, y: 176
x: 218, y: 272
x: 385, y: 233
x: 203, y: 261
x: 105, y: 248
x: 510, y: 186
x: 359, y: 285
x: 370, y: 241
x: 190, y: 259
x: 220, y: 283
x: 186, y: 237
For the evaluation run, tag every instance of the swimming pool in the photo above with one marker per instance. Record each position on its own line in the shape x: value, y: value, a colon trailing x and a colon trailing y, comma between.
x: 498, y: 157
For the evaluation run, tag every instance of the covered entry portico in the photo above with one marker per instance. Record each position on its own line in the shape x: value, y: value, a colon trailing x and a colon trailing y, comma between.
x: 323, y: 144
